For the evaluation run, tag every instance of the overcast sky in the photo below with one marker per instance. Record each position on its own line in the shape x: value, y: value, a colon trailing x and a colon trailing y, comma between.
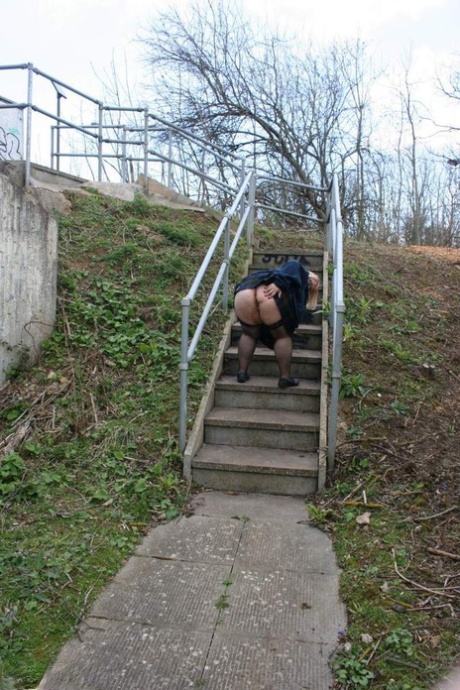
x: 71, y: 40
x: 67, y: 37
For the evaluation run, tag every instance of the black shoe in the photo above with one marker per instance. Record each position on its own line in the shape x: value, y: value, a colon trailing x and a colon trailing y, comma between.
x: 242, y: 376
x: 288, y: 383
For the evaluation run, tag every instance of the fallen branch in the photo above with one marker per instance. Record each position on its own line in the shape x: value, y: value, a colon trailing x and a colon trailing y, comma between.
x: 361, y: 440
x: 15, y: 439
x: 440, y: 552
x: 431, y: 517
x: 440, y: 592
x: 355, y: 490
x: 362, y: 504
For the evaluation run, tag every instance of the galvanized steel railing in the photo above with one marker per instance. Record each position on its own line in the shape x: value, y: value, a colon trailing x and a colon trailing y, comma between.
x: 245, y: 196
x: 242, y: 191
x: 104, y: 132
x: 337, y: 310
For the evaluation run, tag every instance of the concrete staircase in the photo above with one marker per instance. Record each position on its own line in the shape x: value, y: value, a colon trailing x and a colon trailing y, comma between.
x: 255, y: 437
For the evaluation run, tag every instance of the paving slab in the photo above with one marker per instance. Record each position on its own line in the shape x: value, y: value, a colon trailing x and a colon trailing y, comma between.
x: 266, y: 663
x: 283, y: 604
x: 301, y: 547
x: 164, y: 594
x: 226, y: 504
x: 194, y: 539
x: 115, y: 655
x: 241, y: 595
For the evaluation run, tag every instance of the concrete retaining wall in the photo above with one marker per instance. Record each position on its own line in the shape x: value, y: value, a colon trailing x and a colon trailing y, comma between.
x: 28, y: 272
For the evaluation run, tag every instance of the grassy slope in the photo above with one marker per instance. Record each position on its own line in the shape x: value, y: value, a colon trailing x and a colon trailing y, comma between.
x: 92, y: 429
x: 398, y: 454
x: 397, y: 466
x: 98, y: 459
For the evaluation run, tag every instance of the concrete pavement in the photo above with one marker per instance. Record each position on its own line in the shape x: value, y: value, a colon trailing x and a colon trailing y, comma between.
x: 241, y: 595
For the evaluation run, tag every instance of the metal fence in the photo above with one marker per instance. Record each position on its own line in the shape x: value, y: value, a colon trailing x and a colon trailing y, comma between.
x: 121, y: 139
x: 337, y: 310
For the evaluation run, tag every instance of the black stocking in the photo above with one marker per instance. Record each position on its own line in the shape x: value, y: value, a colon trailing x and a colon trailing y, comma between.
x: 283, y: 349
x: 247, y: 345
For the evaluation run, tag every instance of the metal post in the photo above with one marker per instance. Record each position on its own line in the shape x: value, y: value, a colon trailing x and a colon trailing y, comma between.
x: 30, y: 74
x: 99, y: 143
x: 170, y: 159
x: 124, y: 164
x: 53, y: 128
x: 335, y: 388
x: 146, y: 150
x: 58, y: 132
x: 184, y: 374
x: 332, y: 250
x: 242, y: 179
x: 337, y: 319
x: 227, y: 267
x: 252, y: 204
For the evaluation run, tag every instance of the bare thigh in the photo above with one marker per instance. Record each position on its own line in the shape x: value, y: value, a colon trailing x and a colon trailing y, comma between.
x: 268, y: 309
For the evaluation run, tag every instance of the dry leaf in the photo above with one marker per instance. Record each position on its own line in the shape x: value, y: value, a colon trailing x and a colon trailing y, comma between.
x: 364, y: 519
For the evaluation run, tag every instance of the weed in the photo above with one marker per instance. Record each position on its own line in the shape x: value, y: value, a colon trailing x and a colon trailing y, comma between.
x: 400, y: 641
x: 5, y: 683
x: 223, y: 602
x: 352, y: 386
x: 244, y: 518
x: 100, y: 457
x: 396, y: 349
x: 319, y: 516
x: 352, y: 672
x: 399, y: 407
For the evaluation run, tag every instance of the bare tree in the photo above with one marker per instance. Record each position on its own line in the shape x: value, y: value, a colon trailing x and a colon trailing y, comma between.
x: 288, y: 111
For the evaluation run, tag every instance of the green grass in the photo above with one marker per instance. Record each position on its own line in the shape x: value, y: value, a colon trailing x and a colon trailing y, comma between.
x: 94, y: 457
x: 99, y: 463
x: 397, y: 461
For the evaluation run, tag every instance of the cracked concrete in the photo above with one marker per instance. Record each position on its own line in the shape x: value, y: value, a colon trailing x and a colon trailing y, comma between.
x: 243, y: 594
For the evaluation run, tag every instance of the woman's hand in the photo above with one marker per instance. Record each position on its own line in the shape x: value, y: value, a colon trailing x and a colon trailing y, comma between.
x: 271, y: 290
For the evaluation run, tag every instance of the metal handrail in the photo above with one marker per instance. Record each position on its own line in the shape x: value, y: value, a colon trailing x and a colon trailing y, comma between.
x: 244, y: 202
x: 245, y: 194
x: 232, y: 161
x: 337, y: 310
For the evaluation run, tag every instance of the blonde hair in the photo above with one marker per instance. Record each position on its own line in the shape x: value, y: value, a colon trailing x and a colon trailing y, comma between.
x: 313, y: 291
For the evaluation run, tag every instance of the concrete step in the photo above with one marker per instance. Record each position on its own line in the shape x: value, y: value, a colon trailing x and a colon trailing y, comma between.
x: 306, y: 364
x: 256, y: 470
x: 313, y: 318
x: 306, y: 337
x: 312, y: 260
x: 262, y: 392
x: 262, y: 428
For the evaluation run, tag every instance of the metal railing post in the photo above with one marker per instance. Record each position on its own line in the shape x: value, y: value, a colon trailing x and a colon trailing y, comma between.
x: 242, y: 179
x: 335, y: 387
x: 227, y: 267
x: 169, y: 182
x: 30, y: 74
x: 146, y: 150
x: 185, y: 304
x: 124, y: 163
x: 252, y: 204
x: 99, y: 143
x: 335, y: 244
x: 52, y: 147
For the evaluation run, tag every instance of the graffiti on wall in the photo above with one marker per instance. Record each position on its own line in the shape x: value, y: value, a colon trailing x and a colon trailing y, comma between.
x: 10, y: 134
